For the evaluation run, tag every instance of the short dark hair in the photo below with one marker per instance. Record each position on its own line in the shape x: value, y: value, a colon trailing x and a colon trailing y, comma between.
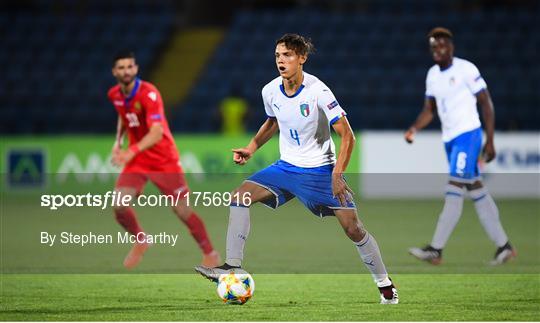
x: 299, y: 44
x: 440, y: 32
x: 121, y: 54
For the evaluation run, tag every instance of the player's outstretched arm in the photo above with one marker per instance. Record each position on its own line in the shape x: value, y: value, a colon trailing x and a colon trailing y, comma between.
x: 488, y: 114
x: 423, y: 119
x: 267, y: 130
x: 340, y: 188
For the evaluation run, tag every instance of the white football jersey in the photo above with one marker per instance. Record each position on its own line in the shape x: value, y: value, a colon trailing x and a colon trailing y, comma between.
x: 304, y: 121
x: 454, y: 90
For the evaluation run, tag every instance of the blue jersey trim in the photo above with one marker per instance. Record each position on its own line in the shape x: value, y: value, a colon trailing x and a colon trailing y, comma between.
x: 336, y: 118
x: 430, y: 97
x: 133, y: 91
x: 295, y: 94
x: 447, y: 67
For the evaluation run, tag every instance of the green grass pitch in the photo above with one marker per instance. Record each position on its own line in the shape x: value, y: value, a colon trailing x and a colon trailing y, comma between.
x: 304, y: 267
x: 307, y: 297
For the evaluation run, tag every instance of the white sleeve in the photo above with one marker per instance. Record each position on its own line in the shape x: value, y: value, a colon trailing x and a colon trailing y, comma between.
x: 429, y: 87
x: 474, y: 80
x: 328, y: 103
x: 267, y: 106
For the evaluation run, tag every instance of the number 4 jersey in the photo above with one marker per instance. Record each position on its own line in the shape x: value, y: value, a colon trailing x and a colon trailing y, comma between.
x: 304, y: 120
x: 139, y: 111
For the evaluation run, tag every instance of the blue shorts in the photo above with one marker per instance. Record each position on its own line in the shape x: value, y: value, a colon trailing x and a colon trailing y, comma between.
x: 462, y: 153
x: 312, y: 186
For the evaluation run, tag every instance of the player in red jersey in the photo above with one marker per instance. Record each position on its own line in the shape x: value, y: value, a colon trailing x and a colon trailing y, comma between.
x: 152, y: 155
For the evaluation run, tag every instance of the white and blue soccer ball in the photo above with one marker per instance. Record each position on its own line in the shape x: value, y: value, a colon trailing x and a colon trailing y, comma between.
x: 235, y: 288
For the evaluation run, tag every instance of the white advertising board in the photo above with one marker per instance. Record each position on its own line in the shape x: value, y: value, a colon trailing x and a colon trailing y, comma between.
x: 392, y: 168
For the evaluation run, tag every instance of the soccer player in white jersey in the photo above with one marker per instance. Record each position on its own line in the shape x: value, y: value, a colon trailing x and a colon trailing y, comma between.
x: 302, y: 108
x: 453, y: 87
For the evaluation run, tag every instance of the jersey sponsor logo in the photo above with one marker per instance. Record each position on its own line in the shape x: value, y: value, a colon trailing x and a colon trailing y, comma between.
x: 118, y: 103
x: 277, y: 107
x: 137, y: 105
x: 332, y: 105
x: 304, y: 109
x: 452, y: 81
x: 152, y: 95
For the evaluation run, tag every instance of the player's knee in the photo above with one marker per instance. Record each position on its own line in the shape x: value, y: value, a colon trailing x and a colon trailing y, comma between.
x: 119, y: 209
x: 183, y: 212
x: 474, y: 186
x: 355, y: 231
x: 457, y: 184
x: 241, y: 197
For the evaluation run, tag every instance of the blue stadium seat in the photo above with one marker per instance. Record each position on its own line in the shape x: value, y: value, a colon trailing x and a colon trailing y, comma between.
x: 376, y: 61
x: 58, y: 62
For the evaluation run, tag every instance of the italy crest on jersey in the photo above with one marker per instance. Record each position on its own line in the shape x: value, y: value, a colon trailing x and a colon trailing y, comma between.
x: 304, y: 109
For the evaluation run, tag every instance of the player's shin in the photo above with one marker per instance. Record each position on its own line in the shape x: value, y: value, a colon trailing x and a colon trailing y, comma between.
x: 237, y: 233
x: 127, y: 219
x: 453, y: 206
x: 198, y: 232
x: 371, y: 256
x: 488, y: 213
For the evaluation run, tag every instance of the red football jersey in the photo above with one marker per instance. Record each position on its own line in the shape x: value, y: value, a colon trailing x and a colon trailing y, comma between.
x: 142, y: 108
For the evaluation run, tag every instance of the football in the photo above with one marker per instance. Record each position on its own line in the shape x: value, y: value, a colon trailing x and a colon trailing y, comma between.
x: 235, y: 288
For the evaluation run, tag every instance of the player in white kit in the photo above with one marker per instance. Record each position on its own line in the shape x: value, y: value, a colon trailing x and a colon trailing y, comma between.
x: 302, y: 108
x: 453, y: 87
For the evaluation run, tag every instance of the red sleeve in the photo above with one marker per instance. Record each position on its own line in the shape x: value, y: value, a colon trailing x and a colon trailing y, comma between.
x: 154, y: 107
x: 111, y: 97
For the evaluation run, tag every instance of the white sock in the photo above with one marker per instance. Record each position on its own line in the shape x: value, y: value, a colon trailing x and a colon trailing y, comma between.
x: 453, y: 205
x: 237, y: 234
x: 371, y: 256
x: 489, y: 216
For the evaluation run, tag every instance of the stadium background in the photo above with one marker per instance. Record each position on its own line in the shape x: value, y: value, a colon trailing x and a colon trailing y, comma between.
x: 57, y: 130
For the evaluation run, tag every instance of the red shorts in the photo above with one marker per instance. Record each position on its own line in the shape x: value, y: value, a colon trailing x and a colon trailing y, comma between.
x: 169, y: 178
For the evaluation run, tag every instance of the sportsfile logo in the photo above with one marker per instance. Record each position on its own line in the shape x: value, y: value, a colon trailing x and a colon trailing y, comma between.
x: 26, y: 168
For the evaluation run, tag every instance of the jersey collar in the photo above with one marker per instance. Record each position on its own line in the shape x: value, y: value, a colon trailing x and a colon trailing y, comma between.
x: 133, y: 91
x: 447, y: 67
x: 282, y: 88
